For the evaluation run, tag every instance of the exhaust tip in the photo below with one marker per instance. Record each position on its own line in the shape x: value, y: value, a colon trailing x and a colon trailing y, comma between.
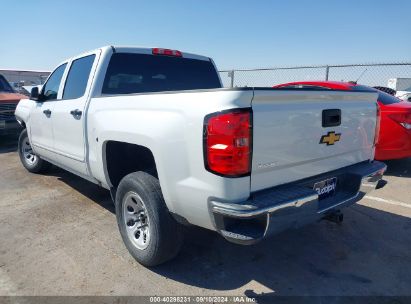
x: 381, y: 184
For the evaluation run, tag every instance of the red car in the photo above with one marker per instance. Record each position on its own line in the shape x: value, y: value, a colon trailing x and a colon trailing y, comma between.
x: 395, y: 128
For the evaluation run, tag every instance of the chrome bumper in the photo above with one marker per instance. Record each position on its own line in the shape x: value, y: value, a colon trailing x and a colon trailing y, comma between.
x: 292, y: 205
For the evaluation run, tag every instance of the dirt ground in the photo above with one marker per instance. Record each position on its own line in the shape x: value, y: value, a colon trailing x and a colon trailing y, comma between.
x: 59, y: 236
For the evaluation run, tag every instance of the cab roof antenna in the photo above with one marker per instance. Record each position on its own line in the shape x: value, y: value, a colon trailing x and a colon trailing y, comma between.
x: 362, y: 74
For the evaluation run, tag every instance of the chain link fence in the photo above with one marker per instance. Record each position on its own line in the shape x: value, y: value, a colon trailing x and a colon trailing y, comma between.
x: 368, y: 74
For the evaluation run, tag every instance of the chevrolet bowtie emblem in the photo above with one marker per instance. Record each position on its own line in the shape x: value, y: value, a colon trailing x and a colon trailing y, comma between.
x: 330, y: 139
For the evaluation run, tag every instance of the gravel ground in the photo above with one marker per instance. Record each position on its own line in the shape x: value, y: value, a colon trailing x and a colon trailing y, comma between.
x: 59, y: 237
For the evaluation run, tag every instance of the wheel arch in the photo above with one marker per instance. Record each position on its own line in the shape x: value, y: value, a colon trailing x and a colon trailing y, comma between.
x: 121, y: 158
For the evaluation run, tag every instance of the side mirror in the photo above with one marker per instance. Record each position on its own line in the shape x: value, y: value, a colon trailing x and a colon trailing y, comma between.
x: 409, y: 99
x: 34, y: 94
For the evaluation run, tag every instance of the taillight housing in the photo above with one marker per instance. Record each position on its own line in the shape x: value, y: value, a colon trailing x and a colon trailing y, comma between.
x: 377, y: 126
x: 228, y: 142
x: 404, y: 119
x: 166, y: 52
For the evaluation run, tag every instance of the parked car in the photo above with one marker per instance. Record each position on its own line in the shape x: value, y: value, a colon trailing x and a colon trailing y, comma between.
x: 156, y: 128
x: 394, y: 138
x: 386, y: 90
x: 404, y: 95
x: 8, y: 102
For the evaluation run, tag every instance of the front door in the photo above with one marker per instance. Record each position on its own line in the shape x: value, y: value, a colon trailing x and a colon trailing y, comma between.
x: 40, y: 125
x: 69, y: 115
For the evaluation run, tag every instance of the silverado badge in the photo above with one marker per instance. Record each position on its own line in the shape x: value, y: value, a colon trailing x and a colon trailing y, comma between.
x: 330, y: 139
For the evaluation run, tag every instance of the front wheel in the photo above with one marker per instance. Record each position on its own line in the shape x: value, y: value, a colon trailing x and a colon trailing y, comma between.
x: 28, y: 158
x: 150, y: 233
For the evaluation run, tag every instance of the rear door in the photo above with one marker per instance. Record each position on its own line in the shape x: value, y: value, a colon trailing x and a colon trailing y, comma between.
x: 40, y: 124
x: 68, y: 114
x: 291, y: 142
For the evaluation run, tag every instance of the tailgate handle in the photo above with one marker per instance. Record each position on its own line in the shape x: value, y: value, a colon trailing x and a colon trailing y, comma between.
x: 331, y: 118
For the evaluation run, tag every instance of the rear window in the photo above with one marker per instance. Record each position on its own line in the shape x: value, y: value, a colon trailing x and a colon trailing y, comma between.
x: 4, y: 85
x: 383, y: 97
x: 77, y: 78
x: 386, y: 98
x: 139, y: 73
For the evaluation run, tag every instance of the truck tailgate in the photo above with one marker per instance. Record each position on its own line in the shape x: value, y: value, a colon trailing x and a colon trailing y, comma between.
x: 290, y: 142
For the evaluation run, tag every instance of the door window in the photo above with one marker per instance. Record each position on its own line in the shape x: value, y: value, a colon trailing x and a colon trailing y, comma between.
x: 51, y: 87
x: 77, y: 78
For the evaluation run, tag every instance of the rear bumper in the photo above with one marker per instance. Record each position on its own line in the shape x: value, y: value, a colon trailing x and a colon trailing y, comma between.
x: 10, y: 127
x: 293, y: 205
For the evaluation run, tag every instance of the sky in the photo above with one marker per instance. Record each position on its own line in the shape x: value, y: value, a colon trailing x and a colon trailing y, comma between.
x: 37, y: 35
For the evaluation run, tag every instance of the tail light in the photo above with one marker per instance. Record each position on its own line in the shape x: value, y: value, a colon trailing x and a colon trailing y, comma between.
x: 228, y: 142
x: 166, y: 52
x: 377, y: 126
x: 404, y: 119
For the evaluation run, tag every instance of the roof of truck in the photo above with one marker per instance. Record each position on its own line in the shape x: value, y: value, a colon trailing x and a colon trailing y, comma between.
x: 149, y: 50
x: 139, y: 50
x: 132, y: 49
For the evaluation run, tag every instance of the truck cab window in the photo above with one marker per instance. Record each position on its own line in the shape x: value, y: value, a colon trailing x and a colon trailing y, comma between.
x: 129, y: 73
x: 77, y: 78
x: 51, y: 87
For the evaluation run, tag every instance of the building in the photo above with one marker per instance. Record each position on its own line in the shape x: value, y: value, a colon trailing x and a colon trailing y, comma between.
x: 20, y: 78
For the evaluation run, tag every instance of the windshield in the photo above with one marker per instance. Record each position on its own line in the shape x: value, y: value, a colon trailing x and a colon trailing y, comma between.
x: 139, y: 73
x: 4, y: 85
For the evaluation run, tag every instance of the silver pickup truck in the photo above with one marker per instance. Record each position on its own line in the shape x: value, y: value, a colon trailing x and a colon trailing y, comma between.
x: 156, y: 128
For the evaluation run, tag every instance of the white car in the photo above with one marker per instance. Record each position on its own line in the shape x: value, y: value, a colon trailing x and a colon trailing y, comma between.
x: 156, y: 128
x: 404, y: 95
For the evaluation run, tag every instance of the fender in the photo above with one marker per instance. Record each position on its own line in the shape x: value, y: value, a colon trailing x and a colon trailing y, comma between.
x: 162, y: 136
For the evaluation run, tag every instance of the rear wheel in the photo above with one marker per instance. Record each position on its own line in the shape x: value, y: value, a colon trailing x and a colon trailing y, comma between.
x: 28, y: 158
x: 149, y: 231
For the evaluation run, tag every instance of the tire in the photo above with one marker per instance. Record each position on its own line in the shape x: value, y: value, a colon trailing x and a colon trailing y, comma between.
x: 150, y: 233
x: 32, y: 162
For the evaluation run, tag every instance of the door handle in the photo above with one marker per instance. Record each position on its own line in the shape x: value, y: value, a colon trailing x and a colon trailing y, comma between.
x: 76, y: 112
x: 331, y: 118
x: 47, y: 112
